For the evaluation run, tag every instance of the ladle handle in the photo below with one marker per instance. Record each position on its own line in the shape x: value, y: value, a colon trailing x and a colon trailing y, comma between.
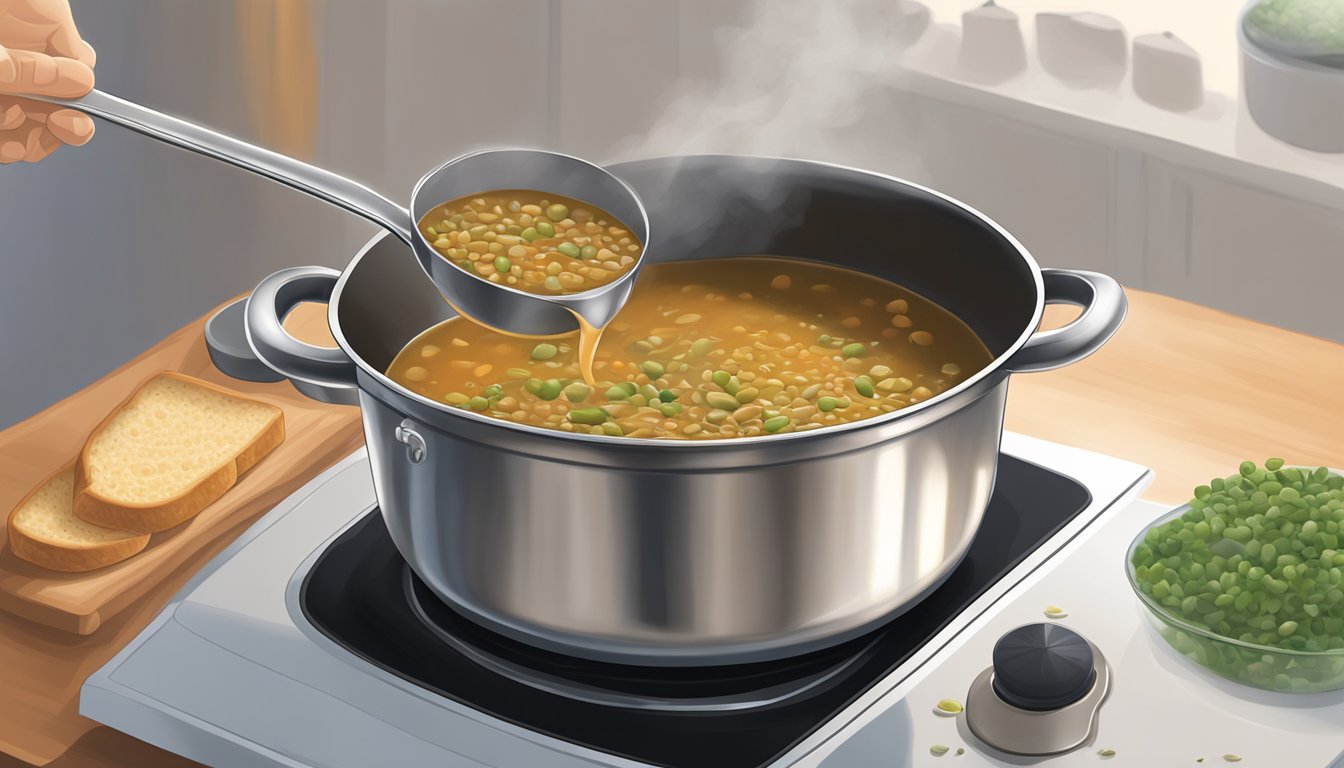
x: 319, y: 183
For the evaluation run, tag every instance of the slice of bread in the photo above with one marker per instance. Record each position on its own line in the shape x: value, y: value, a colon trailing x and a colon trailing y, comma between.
x: 43, y: 529
x: 169, y: 451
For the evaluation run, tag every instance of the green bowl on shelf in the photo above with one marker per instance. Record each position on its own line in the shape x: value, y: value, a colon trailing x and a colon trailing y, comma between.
x: 1262, y: 666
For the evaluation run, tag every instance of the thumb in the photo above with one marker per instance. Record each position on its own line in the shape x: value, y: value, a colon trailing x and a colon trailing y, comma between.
x: 26, y: 72
x: 65, y: 41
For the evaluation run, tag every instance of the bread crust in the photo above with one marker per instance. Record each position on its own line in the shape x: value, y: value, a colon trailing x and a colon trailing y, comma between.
x: 152, y: 518
x: 63, y: 556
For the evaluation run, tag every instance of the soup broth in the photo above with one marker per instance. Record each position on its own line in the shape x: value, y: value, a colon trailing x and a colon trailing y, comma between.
x: 533, y: 241
x: 727, y: 348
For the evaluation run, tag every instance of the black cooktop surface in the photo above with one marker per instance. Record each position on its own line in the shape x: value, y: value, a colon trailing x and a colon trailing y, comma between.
x: 362, y: 596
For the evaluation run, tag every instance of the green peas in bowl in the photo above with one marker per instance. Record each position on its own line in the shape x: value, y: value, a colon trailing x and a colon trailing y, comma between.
x: 1248, y: 578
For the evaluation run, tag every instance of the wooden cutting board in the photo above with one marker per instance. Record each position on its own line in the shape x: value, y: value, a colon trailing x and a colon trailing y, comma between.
x: 73, y: 623
x: 316, y: 435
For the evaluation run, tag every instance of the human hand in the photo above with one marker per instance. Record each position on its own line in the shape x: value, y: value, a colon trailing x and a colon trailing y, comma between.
x: 41, y: 52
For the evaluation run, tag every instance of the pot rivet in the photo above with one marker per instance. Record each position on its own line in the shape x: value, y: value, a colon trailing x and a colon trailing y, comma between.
x: 415, y: 444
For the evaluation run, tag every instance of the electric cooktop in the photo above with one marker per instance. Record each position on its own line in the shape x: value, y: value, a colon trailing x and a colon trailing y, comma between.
x: 362, y: 596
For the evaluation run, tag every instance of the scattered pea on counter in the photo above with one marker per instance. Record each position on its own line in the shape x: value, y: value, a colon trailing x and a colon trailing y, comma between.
x: 947, y: 708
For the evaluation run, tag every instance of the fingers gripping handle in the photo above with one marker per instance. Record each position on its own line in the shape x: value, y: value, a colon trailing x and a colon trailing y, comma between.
x: 321, y: 373
x: 1104, y: 308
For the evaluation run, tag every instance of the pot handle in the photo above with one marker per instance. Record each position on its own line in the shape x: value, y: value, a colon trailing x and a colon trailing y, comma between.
x: 321, y: 373
x: 1104, y: 308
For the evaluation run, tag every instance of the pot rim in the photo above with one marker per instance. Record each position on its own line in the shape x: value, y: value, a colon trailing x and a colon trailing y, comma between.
x: 994, y: 369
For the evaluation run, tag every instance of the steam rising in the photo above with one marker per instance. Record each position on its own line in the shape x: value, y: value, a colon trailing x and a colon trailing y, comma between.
x: 803, y: 78
x: 809, y: 79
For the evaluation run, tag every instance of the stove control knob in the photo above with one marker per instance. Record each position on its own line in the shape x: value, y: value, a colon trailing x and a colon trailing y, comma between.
x: 1043, y: 693
x: 1041, y: 667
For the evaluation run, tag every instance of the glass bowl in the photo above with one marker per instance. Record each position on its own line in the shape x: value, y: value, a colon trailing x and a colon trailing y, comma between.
x: 1260, y: 666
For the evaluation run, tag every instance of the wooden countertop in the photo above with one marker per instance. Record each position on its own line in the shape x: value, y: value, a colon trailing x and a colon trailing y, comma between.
x: 1185, y: 390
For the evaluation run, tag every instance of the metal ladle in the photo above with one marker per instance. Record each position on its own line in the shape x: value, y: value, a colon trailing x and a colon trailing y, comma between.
x: 493, y: 304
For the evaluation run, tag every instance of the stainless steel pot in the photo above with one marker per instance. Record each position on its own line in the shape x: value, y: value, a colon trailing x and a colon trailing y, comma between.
x: 676, y: 553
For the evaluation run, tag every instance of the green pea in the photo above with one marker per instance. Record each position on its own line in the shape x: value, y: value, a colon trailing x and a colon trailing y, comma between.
x: 864, y: 386
x: 939, y: 749
x: 652, y: 368
x: 544, y: 351
x: 612, y: 428
x: 588, y: 252
x: 776, y: 424
x: 532, y: 386
x: 494, y: 390
x: 853, y: 350
x: 569, y: 249
x: 721, y: 378
x: 670, y: 409
x: 478, y: 403
x: 557, y: 212
x: 841, y: 403
x: 550, y: 389
x: 948, y: 706
x: 503, y: 265
x: 552, y: 282
x: 667, y: 395
x: 826, y: 404
x: 588, y: 416
x: 1274, y: 465
x: 701, y: 347
x: 577, y: 392
x: 721, y: 400
x: 617, y: 393
x: 747, y: 394
x: 650, y: 393
x: 545, y: 228
x: 530, y: 234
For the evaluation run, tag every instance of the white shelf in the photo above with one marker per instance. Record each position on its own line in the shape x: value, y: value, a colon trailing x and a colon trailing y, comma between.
x: 1219, y: 138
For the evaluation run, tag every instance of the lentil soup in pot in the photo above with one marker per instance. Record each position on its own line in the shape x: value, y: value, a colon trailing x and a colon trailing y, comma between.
x: 735, y: 347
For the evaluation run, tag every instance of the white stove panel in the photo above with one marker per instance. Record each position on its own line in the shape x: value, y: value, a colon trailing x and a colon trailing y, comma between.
x: 231, y: 674
x: 1163, y: 710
